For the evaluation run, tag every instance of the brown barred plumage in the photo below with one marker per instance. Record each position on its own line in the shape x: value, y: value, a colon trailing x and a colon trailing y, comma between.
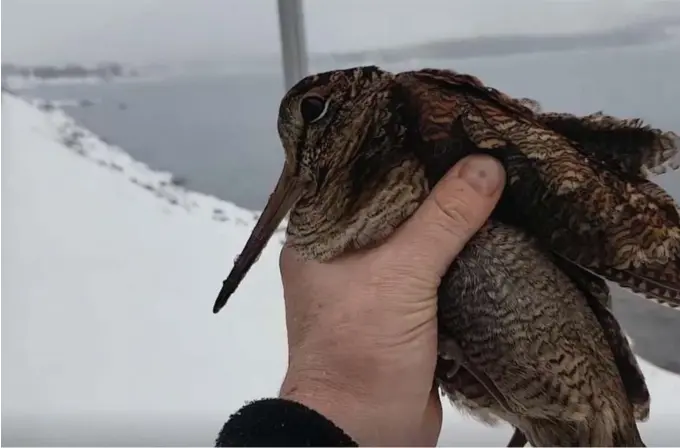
x: 527, y: 334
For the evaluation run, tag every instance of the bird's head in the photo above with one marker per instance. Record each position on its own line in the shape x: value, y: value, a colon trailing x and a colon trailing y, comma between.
x: 341, y: 132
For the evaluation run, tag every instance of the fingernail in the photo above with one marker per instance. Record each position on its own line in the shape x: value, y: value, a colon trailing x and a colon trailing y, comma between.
x: 484, y: 173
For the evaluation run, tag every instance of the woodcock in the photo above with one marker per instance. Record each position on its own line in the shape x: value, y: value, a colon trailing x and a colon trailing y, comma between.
x: 527, y: 334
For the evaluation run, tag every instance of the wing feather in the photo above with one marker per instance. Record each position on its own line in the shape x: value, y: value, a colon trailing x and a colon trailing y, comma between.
x: 627, y: 231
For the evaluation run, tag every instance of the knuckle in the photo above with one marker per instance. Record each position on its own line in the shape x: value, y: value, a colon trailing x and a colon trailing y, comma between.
x: 460, y: 214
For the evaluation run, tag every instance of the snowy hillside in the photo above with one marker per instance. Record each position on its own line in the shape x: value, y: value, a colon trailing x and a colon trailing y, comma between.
x: 110, y: 271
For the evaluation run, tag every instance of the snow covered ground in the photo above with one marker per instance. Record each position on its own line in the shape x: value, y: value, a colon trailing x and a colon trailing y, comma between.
x: 110, y: 271
x: 15, y: 82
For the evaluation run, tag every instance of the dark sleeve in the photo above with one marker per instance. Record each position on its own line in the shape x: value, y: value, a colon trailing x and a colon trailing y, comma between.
x: 279, y: 422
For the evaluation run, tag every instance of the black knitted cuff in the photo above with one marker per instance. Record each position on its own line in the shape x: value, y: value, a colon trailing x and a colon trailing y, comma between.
x: 279, y: 422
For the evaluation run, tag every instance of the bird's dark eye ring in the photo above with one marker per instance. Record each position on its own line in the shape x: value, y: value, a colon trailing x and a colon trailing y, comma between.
x: 313, y: 108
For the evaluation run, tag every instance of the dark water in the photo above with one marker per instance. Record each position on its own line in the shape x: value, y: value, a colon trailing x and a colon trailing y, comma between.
x: 219, y: 131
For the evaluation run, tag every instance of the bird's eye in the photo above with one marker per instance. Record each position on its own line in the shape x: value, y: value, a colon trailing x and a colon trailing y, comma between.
x: 313, y: 108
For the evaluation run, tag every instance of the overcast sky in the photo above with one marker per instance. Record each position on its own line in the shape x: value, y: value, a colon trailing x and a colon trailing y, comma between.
x: 145, y: 31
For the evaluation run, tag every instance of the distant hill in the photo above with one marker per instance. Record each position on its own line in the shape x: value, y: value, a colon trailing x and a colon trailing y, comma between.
x: 649, y: 30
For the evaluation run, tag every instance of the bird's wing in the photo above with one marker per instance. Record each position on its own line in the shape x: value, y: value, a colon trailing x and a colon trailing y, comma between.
x: 580, y: 209
x: 628, y: 146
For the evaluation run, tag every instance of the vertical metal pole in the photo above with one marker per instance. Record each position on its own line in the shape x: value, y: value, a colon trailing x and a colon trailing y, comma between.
x: 293, y: 42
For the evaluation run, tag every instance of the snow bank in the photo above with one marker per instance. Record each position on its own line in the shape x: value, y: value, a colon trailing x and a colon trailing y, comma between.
x: 110, y: 271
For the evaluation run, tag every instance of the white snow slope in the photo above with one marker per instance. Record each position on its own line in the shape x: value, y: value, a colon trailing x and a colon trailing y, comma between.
x: 109, y: 275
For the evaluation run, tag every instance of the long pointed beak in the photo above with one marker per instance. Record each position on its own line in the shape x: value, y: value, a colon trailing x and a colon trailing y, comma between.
x: 286, y: 193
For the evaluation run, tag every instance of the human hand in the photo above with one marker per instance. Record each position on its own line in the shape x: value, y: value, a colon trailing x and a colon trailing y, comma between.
x: 362, y: 329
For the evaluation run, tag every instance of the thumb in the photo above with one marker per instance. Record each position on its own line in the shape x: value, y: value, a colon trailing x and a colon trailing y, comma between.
x: 456, y: 208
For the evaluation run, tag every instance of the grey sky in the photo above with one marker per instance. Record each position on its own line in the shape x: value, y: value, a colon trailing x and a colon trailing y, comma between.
x: 57, y: 31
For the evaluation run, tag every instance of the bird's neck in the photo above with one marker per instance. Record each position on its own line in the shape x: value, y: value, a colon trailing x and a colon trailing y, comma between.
x: 363, y: 203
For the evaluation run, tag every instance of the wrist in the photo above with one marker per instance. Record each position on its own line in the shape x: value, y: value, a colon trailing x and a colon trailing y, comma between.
x: 358, y: 412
